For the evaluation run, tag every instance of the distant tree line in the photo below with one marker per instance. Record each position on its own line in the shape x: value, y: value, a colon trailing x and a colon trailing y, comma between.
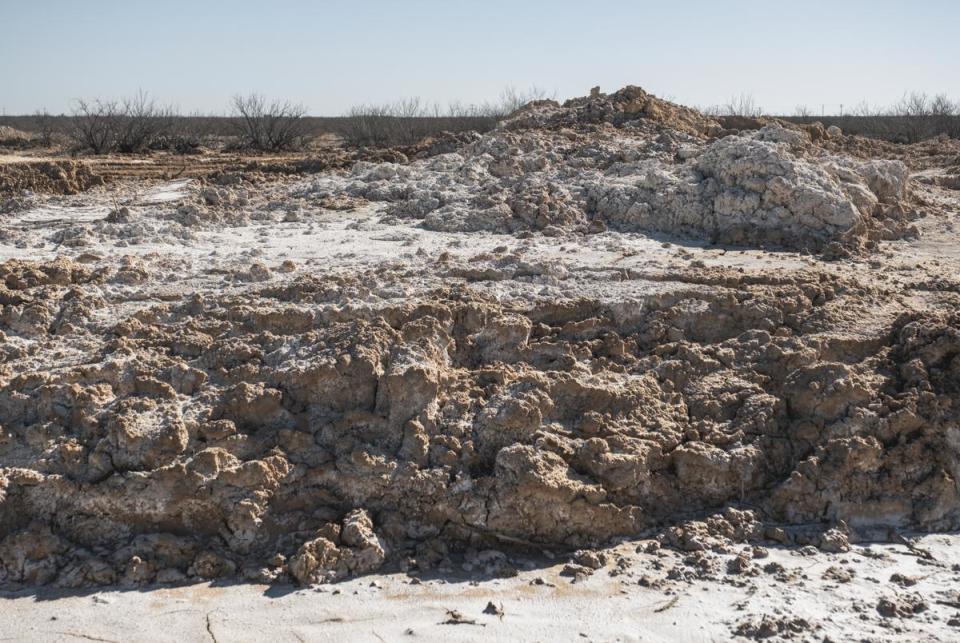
x: 917, y: 116
x: 140, y: 124
x: 407, y: 121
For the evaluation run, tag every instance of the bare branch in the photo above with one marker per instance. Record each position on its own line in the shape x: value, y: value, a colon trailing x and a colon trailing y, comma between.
x: 277, y: 125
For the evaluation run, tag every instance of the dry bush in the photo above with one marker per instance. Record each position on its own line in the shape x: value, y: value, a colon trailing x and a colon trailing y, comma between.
x: 372, y: 125
x: 94, y: 125
x: 45, y: 124
x: 914, y: 118
x: 188, y: 134
x: 40, y: 129
x: 871, y: 121
x: 277, y: 125
x: 512, y: 99
x: 913, y: 114
x: 410, y: 120
x: 130, y: 125
x: 406, y: 122
x: 946, y: 116
x: 141, y: 123
x: 742, y: 105
x: 804, y: 113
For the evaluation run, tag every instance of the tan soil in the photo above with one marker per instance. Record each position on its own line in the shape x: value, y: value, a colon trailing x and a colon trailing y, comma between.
x: 307, y: 379
x: 52, y: 177
x: 46, y: 170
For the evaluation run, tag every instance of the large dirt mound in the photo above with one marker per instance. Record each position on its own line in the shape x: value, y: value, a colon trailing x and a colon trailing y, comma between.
x: 631, y: 162
x: 303, y: 431
x: 51, y: 177
x: 625, y: 107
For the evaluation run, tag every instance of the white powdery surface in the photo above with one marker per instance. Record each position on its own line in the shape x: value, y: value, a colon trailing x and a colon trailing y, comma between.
x: 770, y: 187
x: 814, y: 598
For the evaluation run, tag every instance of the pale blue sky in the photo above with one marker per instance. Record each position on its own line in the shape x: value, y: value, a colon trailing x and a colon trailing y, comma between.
x: 330, y: 55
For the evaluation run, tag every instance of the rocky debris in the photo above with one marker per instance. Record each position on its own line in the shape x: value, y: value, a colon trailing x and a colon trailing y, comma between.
x: 902, y: 606
x: 742, y: 563
x: 769, y: 626
x: 839, y: 574
x: 489, y: 562
x: 211, y: 196
x: 12, y: 205
x: 631, y: 162
x: 494, y: 610
x: 455, y: 617
x: 120, y: 215
x: 256, y: 271
x: 442, y: 143
x: 938, y: 152
x: 590, y: 559
x: 339, y: 551
x: 577, y: 573
x: 264, y: 431
x: 834, y: 540
x: 12, y: 137
x: 903, y: 580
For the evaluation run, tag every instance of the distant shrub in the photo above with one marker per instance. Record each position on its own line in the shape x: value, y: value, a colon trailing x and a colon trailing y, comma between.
x: 408, y: 121
x: 130, y: 125
x: 46, y: 126
x: 914, y: 118
x: 277, y: 125
x: 743, y: 105
x: 94, y: 126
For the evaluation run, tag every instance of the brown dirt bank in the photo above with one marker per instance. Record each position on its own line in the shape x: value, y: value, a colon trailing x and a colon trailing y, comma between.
x: 277, y: 434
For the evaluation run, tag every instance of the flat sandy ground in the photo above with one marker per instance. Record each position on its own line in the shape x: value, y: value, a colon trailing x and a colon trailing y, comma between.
x: 815, y: 597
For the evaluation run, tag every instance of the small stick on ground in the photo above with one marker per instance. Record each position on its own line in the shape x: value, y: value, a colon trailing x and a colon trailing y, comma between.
x: 673, y: 601
x: 917, y: 551
x: 454, y: 617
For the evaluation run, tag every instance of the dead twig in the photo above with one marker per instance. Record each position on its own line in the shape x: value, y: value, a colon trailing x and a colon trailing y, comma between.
x: 673, y: 601
x: 454, y: 617
x: 87, y: 637
x: 917, y: 551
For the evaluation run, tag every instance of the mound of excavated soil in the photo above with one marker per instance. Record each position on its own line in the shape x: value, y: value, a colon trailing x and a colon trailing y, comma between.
x: 622, y: 108
x: 289, y: 433
x: 51, y: 177
x: 633, y: 163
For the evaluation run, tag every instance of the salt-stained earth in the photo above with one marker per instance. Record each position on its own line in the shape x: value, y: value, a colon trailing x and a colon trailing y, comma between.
x: 627, y: 373
x: 878, y: 592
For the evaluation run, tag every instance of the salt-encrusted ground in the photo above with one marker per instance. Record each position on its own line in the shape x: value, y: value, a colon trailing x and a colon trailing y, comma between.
x: 482, y: 356
x: 878, y: 592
